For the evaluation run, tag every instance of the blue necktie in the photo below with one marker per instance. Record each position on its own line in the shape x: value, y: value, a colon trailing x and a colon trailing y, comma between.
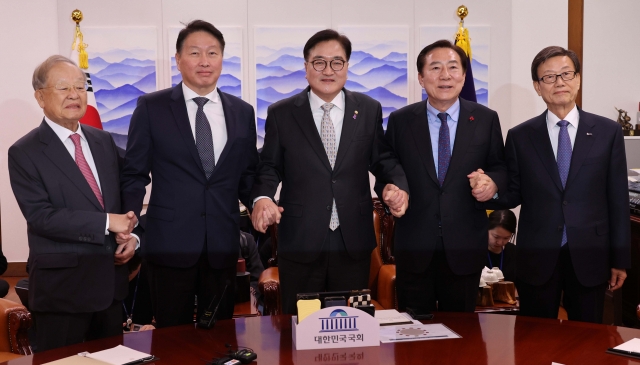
x: 564, y: 162
x: 204, y: 138
x: 444, y: 148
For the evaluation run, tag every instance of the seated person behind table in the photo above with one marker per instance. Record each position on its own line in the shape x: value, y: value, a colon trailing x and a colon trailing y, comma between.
x: 502, y: 253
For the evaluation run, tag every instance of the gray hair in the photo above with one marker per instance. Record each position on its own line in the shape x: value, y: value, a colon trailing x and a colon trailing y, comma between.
x: 41, y: 72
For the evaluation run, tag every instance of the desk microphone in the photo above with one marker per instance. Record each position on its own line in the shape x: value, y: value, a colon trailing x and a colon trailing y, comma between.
x: 208, y: 318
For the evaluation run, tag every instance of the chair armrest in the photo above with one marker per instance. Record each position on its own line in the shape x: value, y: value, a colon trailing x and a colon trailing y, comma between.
x: 269, y: 285
x: 387, y: 287
x: 15, y: 321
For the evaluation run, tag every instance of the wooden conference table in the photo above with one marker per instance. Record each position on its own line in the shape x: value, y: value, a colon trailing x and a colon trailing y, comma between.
x: 486, y: 339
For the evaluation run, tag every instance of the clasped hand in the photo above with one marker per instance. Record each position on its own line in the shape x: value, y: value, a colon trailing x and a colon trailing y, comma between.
x: 396, y: 199
x: 265, y: 213
x: 483, y: 187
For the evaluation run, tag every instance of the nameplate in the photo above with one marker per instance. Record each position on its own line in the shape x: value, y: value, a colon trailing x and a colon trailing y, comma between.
x: 335, y: 327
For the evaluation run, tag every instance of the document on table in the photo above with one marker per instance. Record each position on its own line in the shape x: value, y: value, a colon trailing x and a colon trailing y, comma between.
x: 119, y: 355
x: 416, y: 332
x: 77, y: 360
x: 630, y: 348
x: 389, y: 317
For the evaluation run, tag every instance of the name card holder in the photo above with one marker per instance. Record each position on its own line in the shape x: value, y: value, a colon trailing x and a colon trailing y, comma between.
x: 335, y: 327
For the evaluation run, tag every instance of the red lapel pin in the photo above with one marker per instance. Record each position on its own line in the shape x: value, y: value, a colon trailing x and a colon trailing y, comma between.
x: 471, y: 118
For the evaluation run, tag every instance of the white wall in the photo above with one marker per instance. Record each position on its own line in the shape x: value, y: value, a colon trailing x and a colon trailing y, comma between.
x: 33, y: 30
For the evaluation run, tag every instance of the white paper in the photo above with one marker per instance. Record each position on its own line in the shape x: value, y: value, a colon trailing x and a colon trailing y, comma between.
x: 556, y: 363
x: 118, y: 355
x: 414, y: 332
x: 633, y: 345
x: 390, y: 316
x: 637, y: 171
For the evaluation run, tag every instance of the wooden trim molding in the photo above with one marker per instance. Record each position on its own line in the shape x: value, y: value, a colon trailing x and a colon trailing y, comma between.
x: 16, y: 269
x: 576, y: 27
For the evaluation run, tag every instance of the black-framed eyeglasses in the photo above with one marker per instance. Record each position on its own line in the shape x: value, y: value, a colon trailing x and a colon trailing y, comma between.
x: 551, y: 79
x: 320, y: 64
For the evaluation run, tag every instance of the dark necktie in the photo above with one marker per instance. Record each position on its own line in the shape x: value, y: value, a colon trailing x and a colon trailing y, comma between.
x: 85, y: 169
x: 444, y: 148
x: 564, y: 162
x: 204, y: 138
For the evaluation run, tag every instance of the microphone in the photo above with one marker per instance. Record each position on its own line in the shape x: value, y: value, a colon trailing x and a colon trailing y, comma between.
x: 208, y: 318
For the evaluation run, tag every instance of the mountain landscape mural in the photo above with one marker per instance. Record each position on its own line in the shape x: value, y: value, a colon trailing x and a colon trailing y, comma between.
x: 378, y: 65
x: 479, y: 53
x: 122, y: 64
x: 279, y: 68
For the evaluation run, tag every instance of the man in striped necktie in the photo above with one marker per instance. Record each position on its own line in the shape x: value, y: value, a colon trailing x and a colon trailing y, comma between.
x: 65, y: 178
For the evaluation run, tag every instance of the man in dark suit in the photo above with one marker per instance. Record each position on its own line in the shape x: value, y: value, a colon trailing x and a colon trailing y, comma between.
x: 199, y: 144
x: 321, y: 144
x: 568, y: 171
x: 65, y: 178
x: 441, y: 242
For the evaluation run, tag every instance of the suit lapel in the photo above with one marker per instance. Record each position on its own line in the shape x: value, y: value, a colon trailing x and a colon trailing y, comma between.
x: 349, y: 126
x: 231, y: 123
x: 582, y: 145
x: 464, y: 136
x: 542, y: 144
x: 59, y: 156
x: 179, y: 109
x: 303, y: 116
x: 422, y: 138
x: 99, y: 153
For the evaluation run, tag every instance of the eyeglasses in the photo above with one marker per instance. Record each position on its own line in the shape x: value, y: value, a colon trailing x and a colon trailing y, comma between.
x: 320, y: 65
x: 65, y: 87
x: 566, y: 76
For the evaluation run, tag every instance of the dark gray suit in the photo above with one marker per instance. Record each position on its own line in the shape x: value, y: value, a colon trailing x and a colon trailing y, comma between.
x: 71, y: 260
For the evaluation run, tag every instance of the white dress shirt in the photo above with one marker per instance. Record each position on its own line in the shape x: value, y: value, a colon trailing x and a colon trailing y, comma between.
x: 65, y: 136
x: 215, y: 115
x: 554, y: 129
x: 336, y: 113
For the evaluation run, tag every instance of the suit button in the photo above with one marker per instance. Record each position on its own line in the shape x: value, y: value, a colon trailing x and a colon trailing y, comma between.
x: 333, y: 181
x: 108, y: 247
x: 328, y: 207
x: 565, y: 202
x: 202, y: 215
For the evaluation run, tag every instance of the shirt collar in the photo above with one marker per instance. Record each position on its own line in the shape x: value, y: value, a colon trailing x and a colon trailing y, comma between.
x: 189, y: 94
x: 572, y: 117
x: 453, y: 111
x: 317, y: 103
x: 62, y: 132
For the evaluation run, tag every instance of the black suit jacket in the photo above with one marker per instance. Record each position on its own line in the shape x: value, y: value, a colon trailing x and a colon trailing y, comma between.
x: 593, y: 204
x: 186, y: 210
x: 71, y: 260
x: 478, y: 144
x: 293, y: 153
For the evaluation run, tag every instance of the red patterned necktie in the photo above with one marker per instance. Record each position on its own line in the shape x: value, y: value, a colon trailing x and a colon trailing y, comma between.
x: 85, y: 169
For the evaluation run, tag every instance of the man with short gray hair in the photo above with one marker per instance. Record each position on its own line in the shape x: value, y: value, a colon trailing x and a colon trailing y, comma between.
x: 65, y: 178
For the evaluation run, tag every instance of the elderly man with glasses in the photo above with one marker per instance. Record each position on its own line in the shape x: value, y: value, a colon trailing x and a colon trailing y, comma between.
x: 321, y: 144
x: 65, y: 177
x: 568, y: 172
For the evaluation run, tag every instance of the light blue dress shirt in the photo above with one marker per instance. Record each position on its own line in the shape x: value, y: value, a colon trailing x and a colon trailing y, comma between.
x: 434, y: 127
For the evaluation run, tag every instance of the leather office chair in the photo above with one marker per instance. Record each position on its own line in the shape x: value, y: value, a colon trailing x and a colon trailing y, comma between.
x: 15, y: 321
x: 382, y: 274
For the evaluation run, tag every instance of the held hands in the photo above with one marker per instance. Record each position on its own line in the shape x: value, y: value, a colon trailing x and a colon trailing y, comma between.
x: 482, y: 186
x: 122, y: 224
x: 396, y: 199
x: 617, y: 278
x: 125, y: 251
x: 265, y: 213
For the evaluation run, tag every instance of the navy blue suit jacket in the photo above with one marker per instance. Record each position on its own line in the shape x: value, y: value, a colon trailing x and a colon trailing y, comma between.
x: 593, y: 204
x: 186, y: 210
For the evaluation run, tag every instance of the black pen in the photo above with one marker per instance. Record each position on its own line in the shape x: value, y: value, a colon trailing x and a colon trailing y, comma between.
x: 141, y: 361
x: 624, y: 352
